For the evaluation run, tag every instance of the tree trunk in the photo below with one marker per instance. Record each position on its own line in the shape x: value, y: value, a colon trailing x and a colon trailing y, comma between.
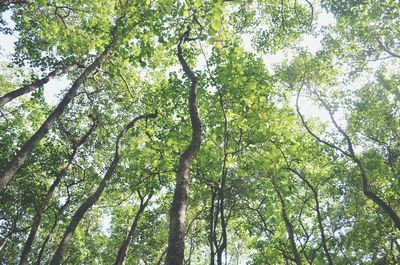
x: 373, y: 197
x: 38, y: 216
x: 223, y: 222
x: 57, y: 215
x: 212, y: 230
x: 123, y: 250
x: 90, y: 201
x: 38, y: 83
x: 319, y: 216
x: 19, y: 159
x: 288, y: 224
x: 322, y: 230
x: 43, y: 246
x: 176, y: 237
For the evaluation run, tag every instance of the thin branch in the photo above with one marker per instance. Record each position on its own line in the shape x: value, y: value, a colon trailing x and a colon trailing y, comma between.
x: 386, y: 49
x: 309, y: 130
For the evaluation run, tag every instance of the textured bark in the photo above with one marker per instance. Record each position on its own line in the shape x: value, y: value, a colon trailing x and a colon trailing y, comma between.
x: 288, y: 224
x: 19, y: 159
x: 38, y: 83
x: 123, y: 250
x: 45, y: 201
x: 352, y: 155
x: 176, y: 237
x: 91, y: 200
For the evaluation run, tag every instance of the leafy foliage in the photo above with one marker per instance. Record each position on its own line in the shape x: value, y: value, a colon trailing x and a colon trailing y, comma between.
x: 270, y: 182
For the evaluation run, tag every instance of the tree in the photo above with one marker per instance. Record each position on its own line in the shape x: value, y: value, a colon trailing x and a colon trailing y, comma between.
x: 271, y: 135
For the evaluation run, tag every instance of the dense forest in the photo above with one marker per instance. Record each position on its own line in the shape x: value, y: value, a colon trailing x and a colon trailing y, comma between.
x: 199, y: 132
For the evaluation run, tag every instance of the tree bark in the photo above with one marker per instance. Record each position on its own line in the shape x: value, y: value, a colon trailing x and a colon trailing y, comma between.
x: 45, y: 201
x: 288, y: 224
x: 90, y: 201
x: 223, y: 222
x: 123, y: 250
x: 176, y: 237
x: 19, y: 159
x: 38, y: 83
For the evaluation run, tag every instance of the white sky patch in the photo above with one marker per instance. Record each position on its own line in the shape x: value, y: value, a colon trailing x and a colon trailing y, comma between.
x: 53, y: 89
x: 325, y: 19
x: 309, y: 109
x: 7, y: 41
x: 106, y: 224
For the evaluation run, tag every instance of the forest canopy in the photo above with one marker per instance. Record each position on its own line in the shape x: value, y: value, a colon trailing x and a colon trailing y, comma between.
x: 199, y: 132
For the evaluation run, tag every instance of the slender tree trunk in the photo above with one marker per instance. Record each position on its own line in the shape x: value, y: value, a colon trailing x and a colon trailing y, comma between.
x: 90, y: 201
x: 176, y: 238
x: 288, y: 224
x: 319, y: 216
x: 212, y: 234
x: 123, y: 250
x: 321, y: 229
x: 373, y: 197
x: 45, y: 201
x: 46, y: 240
x: 19, y: 159
x: 223, y: 222
x: 38, y: 83
x: 57, y: 215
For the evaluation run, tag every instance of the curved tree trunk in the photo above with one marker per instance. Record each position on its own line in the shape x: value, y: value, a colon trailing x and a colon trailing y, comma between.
x: 176, y: 237
x: 123, y: 250
x: 38, y: 83
x: 90, y: 201
x: 288, y: 224
x: 38, y: 216
x: 19, y: 159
